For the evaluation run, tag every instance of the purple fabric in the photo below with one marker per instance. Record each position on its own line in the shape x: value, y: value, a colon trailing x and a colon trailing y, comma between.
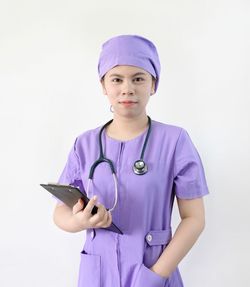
x: 129, y: 50
x: 144, y: 204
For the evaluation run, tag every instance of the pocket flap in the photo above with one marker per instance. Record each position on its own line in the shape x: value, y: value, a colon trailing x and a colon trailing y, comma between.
x: 158, y: 237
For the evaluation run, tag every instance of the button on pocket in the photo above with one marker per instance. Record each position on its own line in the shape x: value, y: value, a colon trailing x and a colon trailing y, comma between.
x: 149, y: 237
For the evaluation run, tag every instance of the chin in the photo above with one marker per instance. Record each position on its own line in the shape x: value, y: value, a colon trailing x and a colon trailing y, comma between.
x: 129, y: 114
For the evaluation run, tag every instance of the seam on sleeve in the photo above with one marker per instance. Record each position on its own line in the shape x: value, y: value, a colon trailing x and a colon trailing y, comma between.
x: 76, y: 168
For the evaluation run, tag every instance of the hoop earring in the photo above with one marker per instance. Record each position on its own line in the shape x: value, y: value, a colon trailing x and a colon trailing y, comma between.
x: 111, y: 109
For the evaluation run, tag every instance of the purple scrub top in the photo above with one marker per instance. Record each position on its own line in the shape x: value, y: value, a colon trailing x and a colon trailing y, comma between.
x: 144, y: 207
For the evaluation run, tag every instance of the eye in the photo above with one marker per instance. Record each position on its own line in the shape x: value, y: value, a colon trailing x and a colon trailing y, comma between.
x: 138, y: 79
x: 116, y: 80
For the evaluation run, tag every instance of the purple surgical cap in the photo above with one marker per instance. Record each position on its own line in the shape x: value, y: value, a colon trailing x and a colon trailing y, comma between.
x: 131, y: 50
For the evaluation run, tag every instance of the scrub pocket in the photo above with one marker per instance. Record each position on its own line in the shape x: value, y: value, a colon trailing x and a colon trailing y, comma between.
x: 155, y: 242
x: 148, y: 278
x: 90, y: 270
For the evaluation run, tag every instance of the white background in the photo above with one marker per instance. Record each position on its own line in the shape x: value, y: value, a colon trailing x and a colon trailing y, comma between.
x: 49, y: 94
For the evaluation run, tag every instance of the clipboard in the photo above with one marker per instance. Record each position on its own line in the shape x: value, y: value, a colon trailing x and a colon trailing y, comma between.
x: 70, y: 195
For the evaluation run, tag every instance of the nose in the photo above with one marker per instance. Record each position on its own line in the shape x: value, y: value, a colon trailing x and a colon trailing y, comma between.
x: 127, y: 88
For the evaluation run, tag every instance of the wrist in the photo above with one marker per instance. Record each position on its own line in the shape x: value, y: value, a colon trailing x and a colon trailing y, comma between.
x: 159, y: 271
x: 76, y: 224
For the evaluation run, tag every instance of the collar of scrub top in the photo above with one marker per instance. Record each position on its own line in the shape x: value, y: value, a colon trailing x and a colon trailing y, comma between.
x: 139, y: 166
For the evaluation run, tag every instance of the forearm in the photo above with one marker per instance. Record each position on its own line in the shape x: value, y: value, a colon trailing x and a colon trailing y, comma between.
x: 63, y: 218
x: 184, y: 238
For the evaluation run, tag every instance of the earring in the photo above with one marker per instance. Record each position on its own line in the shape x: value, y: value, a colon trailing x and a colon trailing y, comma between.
x: 111, y: 109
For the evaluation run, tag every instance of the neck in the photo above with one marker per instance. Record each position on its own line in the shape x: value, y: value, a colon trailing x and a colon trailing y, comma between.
x: 127, y: 128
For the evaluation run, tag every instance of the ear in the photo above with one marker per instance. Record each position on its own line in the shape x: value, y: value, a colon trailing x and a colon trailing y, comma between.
x: 103, y: 87
x: 153, y: 86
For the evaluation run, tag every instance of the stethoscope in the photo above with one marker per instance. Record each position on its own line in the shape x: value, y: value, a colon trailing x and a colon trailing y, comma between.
x: 139, y: 166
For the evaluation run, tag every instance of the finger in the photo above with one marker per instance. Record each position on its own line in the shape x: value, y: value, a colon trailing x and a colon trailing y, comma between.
x: 101, y: 210
x: 109, y: 219
x: 97, y: 218
x: 90, y: 205
x: 102, y: 220
x: 78, y: 206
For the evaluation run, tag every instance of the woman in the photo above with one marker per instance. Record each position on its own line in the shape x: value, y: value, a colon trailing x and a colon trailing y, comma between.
x: 154, y: 163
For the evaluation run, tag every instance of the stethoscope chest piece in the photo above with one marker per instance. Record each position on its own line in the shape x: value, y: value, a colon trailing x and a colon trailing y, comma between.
x: 140, y: 167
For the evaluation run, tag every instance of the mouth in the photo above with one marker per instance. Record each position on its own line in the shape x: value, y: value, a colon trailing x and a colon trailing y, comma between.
x: 128, y: 103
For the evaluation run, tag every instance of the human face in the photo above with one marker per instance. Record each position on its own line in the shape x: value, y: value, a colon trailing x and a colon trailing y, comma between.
x: 128, y: 89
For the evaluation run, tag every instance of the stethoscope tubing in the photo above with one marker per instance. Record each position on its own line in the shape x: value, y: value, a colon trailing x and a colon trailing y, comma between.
x: 90, y: 181
x: 102, y: 159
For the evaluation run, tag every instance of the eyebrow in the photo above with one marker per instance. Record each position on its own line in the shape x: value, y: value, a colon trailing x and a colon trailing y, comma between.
x: 120, y: 76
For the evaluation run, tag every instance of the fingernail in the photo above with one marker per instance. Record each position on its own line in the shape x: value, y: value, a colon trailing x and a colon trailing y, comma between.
x: 95, y: 197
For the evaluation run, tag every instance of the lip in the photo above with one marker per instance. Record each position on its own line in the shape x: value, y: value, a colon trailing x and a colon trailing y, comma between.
x: 128, y: 103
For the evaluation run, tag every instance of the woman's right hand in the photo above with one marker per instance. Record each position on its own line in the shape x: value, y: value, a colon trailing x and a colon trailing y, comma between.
x: 84, y: 219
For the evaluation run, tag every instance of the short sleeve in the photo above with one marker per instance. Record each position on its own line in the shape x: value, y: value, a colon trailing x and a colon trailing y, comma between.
x: 71, y: 172
x: 189, y: 176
